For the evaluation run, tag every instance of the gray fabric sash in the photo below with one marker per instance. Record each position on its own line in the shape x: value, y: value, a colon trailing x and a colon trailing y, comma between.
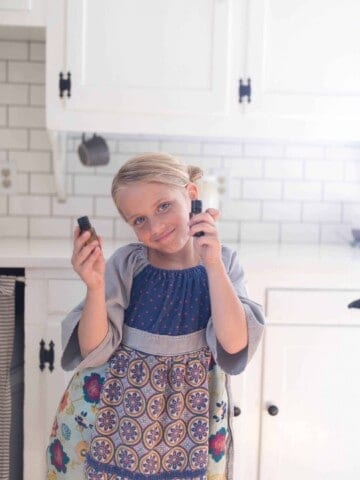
x: 7, y: 330
x: 155, y: 344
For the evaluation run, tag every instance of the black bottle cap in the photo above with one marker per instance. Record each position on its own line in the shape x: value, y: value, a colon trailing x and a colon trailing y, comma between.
x: 84, y: 223
x: 196, y: 206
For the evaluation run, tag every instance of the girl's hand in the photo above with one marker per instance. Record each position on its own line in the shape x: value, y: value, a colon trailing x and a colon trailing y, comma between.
x: 208, y: 245
x: 88, y: 260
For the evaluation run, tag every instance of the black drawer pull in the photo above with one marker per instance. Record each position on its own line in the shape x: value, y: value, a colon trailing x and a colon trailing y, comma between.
x: 237, y: 411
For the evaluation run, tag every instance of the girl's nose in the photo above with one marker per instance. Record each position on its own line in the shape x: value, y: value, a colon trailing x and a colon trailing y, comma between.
x: 155, y: 226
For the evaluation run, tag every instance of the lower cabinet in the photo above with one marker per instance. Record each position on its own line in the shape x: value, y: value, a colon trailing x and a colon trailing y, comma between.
x: 310, y: 389
x: 50, y: 295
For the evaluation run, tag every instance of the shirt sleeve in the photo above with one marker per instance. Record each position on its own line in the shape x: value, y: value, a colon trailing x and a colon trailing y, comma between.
x: 234, y: 364
x: 120, y: 270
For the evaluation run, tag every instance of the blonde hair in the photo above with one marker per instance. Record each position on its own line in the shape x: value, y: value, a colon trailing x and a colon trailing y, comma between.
x: 154, y: 167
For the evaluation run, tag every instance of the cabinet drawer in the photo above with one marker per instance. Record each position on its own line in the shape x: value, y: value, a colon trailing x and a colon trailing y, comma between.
x: 305, y: 306
x: 64, y: 295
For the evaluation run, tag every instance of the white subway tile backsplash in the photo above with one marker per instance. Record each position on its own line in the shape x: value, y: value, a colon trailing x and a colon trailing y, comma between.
x: 324, y: 170
x: 259, y: 232
x: 304, y: 151
x: 351, y: 213
x: 20, y: 72
x: 338, y: 234
x: 32, y: 117
x: 39, y: 140
x: 105, y: 207
x: 37, y: 51
x: 342, y: 191
x: 229, y: 231
x: 3, y: 71
x: 23, y: 183
x: 13, y: 227
x: 37, y: 95
x: 276, y: 191
x: 265, y: 150
x: 235, y: 188
x: 335, y: 152
x: 352, y: 171
x: 13, y: 138
x: 50, y: 227
x: 42, y: 183
x: 13, y: 50
x: 11, y: 94
x: 302, y: 190
x: 137, y: 146
x: 73, y: 206
x: 300, y: 233
x: 241, y: 210
x: 3, y: 204
x: 283, y: 168
x: 244, y: 167
x: 181, y: 147
x: 320, y: 212
x: 31, y: 161
x: 92, y: 185
x: 3, y: 116
x: 223, y: 149
x: 262, y: 189
x: 29, y: 205
x: 281, y: 211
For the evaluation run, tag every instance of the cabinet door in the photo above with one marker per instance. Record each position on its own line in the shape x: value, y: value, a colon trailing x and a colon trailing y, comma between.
x: 22, y: 12
x: 137, y: 58
x: 310, y: 374
x: 303, y: 58
x: 48, y: 299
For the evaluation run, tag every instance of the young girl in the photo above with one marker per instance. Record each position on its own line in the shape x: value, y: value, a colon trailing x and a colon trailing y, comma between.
x: 162, y: 327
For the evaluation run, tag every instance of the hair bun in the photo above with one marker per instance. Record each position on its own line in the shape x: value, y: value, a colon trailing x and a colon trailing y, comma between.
x: 195, y: 173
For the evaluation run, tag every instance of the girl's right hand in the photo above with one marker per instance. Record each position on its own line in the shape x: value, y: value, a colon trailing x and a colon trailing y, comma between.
x: 88, y: 260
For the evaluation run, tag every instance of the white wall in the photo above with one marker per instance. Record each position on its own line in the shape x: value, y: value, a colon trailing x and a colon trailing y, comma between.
x: 279, y: 192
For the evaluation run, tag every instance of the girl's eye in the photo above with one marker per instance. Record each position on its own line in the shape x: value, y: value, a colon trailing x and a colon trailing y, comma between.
x: 139, y: 220
x: 164, y: 206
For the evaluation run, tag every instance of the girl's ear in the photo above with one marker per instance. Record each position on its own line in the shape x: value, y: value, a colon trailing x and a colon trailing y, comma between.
x: 193, y: 190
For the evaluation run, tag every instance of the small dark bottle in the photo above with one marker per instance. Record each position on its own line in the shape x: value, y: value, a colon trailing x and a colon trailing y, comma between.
x: 196, y: 207
x: 84, y: 224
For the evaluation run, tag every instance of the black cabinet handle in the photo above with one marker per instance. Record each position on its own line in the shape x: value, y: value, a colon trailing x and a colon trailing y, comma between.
x: 46, y: 355
x: 354, y: 304
x: 237, y: 411
x: 273, y: 410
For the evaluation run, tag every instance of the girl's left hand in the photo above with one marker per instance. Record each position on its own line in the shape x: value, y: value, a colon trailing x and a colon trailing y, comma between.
x: 208, y: 245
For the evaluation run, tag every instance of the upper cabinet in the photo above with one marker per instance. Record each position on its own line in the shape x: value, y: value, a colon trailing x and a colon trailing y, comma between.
x: 23, y: 13
x: 137, y: 66
x: 175, y: 68
x: 303, y: 58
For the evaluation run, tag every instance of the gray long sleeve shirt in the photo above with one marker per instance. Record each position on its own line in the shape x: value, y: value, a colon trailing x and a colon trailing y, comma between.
x: 124, y: 264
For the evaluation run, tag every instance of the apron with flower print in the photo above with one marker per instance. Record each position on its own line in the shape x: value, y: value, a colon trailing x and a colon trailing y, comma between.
x: 83, y: 417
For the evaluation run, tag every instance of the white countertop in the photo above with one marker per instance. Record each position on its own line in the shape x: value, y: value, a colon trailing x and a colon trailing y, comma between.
x: 330, y: 266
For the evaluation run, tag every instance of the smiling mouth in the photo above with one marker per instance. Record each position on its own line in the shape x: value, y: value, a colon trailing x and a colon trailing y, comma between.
x: 163, y: 236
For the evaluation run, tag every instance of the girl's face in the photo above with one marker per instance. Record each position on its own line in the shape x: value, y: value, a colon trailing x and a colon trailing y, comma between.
x: 158, y: 213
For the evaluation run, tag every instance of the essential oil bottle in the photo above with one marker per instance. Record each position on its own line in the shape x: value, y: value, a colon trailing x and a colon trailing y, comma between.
x: 196, y: 207
x: 84, y: 224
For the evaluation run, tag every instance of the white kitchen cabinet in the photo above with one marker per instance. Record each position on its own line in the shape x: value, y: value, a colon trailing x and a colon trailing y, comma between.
x: 50, y: 295
x: 173, y: 68
x: 22, y: 13
x: 311, y: 364
x: 303, y: 58
x: 139, y: 67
